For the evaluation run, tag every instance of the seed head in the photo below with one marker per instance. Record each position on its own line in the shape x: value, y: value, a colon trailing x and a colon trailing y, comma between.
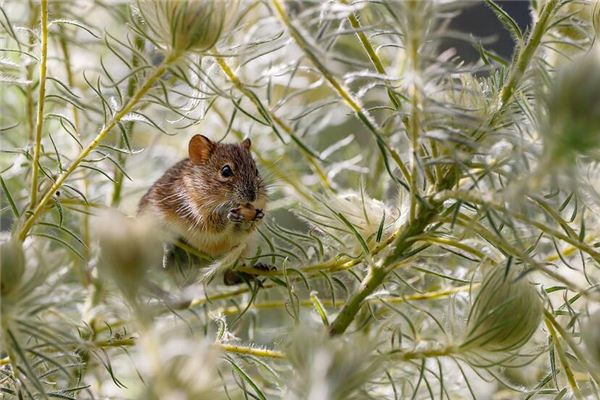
x: 505, y: 314
x: 186, y: 25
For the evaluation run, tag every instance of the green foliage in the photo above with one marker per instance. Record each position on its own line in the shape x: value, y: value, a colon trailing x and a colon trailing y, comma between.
x: 398, y: 173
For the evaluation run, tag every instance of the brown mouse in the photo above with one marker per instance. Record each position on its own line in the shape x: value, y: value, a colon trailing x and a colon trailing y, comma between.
x: 213, y: 200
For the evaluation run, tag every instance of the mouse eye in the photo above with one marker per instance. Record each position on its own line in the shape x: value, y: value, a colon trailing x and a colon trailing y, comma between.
x: 226, y: 172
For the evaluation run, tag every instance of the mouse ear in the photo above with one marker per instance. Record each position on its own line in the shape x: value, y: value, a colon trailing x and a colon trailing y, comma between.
x: 200, y: 148
x: 246, y: 143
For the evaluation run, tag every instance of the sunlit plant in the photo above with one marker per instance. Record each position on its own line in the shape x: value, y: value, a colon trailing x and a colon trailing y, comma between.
x: 432, y: 224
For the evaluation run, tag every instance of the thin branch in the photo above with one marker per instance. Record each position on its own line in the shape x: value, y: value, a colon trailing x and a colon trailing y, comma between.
x: 41, y: 102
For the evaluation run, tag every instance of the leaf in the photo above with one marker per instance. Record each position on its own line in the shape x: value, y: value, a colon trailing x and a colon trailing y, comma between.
x: 247, y: 378
x: 62, y: 242
x: 30, y: 372
x: 358, y: 236
x: 74, y: 23
x: 507, y: 21
x: 9, y: 197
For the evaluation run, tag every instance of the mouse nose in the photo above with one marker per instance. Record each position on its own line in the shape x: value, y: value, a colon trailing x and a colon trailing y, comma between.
x: 250, y: 195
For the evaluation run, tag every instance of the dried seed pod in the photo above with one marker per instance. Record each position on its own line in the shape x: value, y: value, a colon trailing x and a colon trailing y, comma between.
x: 505, y: 314
x: 186, y: 25
x: 591, y: 337
x: 573, y: 110
x: 12, y: 266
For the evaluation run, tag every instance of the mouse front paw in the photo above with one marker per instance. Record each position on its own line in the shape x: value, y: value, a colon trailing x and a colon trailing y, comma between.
x: 235, y: 215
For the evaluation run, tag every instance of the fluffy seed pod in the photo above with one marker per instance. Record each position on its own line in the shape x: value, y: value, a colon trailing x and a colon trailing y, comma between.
x: 186, y: 25
x: 591, y: 337
x: 573, y: 110
x: 505, y: 314
x: 128, y: 248
x: 12, y: 265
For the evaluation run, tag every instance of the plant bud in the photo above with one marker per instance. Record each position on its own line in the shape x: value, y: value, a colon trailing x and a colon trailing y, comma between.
x: 573, y: 110
x: 12, y: 265
x: 187, y: 25
x: 128, y: 247
x: 504, y: 315
x: 591, y: 337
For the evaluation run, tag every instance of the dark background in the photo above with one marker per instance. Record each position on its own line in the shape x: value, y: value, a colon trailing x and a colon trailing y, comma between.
x: 480, y: 21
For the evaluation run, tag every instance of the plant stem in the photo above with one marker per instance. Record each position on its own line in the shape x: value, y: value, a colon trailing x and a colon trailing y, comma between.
x: 275, y: 304
x: 563, y: 360
x: 251, y: 351
x: 371, y: 282
x: 426, y: 353
x: 118, y: 116
x: 526, y: 52
x: 593, y: 371
x: 230, y: 348
x: 377, y: 275
x: 375, y: 60
x: 131, y: 86
x: 41, y: 102
x: 34, y: 11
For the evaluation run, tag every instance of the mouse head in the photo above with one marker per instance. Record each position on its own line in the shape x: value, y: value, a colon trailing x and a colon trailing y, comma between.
x: 229, y: 175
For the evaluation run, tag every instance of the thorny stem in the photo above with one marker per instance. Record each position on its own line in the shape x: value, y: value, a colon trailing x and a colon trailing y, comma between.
x: 526, y: 53
x: 39, y: 124
x: 118, y: 116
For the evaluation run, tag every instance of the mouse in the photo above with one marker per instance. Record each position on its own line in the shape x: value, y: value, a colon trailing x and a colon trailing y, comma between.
x: 214, y: 200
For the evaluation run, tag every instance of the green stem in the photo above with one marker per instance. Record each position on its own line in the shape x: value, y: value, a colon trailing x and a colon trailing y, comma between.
x: 563, y: 360
x: 571, y: 343
x: 426, y: 353
x: 34, y: 10
x: 375, y: 60
x: 377, y: 275
x: 526, y: 52
x: 131, y: 86
x: 425, y: 214
x: 127, y: 108
x: 371, y: 282
x: 41, y: 102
